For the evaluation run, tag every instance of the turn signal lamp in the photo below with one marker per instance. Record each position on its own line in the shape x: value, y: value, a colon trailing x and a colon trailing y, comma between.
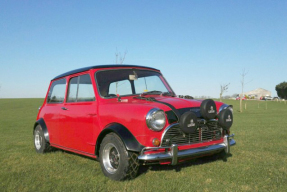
x: 156, y: 142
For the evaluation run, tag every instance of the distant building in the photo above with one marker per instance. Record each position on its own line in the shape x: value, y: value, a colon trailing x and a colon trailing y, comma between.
x: 257, y: 93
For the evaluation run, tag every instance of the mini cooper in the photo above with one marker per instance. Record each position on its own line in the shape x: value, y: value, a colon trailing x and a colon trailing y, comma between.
x: 126, y: 116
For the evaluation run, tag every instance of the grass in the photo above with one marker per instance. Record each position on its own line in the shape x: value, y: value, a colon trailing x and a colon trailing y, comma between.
x: 258, y: 161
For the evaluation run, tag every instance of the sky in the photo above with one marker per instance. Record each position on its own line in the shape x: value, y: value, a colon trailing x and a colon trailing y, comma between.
x: 197, y: 45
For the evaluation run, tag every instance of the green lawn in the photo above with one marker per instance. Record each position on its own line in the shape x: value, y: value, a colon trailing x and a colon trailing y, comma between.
x: 258, y: 161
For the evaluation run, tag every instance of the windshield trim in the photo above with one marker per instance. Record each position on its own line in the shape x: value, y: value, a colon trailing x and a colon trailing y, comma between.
x: 160, y: 76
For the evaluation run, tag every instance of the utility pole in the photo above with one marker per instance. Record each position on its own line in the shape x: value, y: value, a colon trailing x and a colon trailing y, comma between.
x: 243, y: 74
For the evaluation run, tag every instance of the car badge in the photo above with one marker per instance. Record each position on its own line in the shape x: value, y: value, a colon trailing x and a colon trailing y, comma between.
x: 191, y: 123
x: 211, y: 110
x: 228, y: 119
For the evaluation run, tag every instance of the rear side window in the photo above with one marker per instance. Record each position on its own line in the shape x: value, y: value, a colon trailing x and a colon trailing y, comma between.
x: 57, y: 91
x: 81, y: 89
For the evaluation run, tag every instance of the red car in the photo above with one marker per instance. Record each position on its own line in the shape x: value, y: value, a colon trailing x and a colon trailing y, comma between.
x: 238, y: 98
x: 128, y: 115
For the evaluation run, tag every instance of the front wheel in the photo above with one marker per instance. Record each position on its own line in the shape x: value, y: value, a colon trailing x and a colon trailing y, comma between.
x: 116, y: 162
x: 41, y: 144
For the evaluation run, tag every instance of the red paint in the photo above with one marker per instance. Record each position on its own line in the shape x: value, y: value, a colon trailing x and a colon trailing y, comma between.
x: 78, y: 126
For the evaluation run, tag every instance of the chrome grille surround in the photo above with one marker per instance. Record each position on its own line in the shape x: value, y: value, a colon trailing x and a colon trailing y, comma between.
x: 206, y: 131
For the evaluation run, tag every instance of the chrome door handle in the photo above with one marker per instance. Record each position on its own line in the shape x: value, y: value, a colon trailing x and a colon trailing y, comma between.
x: 64, y: 108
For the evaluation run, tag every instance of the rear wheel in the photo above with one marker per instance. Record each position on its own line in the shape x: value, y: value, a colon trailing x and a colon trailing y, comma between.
x: 41, y: 144
x: 116, y: 162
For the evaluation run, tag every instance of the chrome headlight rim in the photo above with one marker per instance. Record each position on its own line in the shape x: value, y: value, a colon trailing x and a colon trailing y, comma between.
x: 151, y: 122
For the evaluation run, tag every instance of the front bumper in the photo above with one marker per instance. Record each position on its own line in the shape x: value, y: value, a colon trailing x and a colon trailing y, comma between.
x: 173, y: 154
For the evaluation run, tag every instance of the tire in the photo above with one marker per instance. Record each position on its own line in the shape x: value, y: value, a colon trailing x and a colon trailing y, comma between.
x: 116, y: 162
x: 40, y: 143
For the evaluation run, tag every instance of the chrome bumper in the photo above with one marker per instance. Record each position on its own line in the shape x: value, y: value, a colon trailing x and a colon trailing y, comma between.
x: 173, y: 153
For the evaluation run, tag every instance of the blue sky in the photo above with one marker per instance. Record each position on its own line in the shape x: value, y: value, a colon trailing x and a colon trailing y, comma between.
x: 197, y: 45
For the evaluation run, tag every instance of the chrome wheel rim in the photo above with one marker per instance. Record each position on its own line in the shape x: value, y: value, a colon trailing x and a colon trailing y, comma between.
x: 38, y: 140
x: 111, y: 158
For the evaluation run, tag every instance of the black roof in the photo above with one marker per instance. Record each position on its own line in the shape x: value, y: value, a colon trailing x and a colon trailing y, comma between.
x: 98, y: 67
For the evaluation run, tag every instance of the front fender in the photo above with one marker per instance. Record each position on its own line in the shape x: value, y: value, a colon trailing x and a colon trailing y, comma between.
x: 42, y: 123
x: 126, y: 136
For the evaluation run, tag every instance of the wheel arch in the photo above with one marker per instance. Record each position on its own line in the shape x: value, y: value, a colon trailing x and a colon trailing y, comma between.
x: 42, y: 123
x: 125, y: 135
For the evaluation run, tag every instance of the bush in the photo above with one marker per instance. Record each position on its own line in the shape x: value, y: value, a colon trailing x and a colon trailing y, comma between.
x: 282, y: 90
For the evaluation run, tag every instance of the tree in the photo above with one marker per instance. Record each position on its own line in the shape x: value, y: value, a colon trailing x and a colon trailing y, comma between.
x: 223, y: 88
x: 119, y: 60
x: 281, y: 89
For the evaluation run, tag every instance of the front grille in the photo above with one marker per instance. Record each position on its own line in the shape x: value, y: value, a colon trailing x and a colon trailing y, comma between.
x: 204, y: 133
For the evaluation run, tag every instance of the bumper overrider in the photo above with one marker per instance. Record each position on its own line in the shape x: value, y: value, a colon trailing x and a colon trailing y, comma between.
x: 173, y: 154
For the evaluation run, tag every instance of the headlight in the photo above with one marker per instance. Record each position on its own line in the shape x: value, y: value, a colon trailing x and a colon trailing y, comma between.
x: 155, y: 119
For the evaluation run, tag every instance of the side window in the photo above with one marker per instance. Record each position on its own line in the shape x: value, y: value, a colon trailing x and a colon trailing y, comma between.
x: 57, y: 91
x: 120, y: 87
x: 72, y: 91
x: 81, y: 89
x: 85, y: 90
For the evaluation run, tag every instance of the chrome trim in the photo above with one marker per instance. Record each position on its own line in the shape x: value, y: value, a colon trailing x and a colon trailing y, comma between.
x: 203, y: 121
x: 141, y: 68
x: 148, y: 116
x: 173, y: 154
x: 166, y: 129
x: 226, y: 140
x: 225, y: 106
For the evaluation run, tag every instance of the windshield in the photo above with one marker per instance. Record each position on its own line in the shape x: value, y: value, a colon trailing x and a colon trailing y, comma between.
x: 125, y: 82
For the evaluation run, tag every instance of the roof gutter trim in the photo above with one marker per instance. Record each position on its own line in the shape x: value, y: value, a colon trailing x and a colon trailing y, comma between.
x: 99, y: 67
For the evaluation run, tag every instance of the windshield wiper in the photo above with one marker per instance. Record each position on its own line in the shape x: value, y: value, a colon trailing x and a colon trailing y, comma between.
x: 110, y: 95
x: 158, y: 93
x: 152, y: 93
x: 167, y: 93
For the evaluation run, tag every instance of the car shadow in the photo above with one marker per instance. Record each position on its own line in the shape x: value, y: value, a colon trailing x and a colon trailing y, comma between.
x: 56, y: 150
x: 177, y: 168
x: 157, y: 167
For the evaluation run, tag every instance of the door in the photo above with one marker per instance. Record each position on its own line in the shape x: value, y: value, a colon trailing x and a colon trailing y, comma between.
x: 52, y: 109
x: 78, y: 117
